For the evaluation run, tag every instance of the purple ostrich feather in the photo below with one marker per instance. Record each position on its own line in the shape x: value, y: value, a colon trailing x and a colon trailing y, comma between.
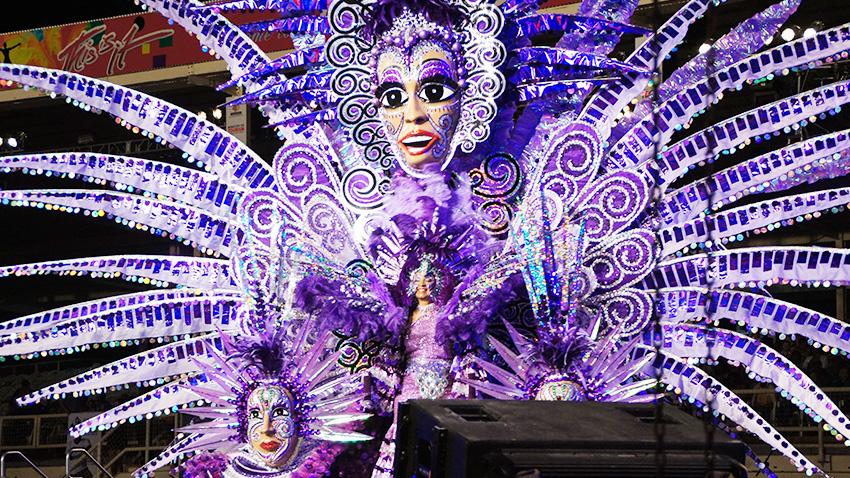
x: 338, y: 308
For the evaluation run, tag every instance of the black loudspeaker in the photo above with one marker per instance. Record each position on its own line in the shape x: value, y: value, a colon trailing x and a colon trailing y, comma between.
x: 496, y: 439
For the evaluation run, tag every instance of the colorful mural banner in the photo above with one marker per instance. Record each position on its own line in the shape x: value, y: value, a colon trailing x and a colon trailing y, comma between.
x: 119, y: 45
x: 128, y: 44
x: 557, y: 3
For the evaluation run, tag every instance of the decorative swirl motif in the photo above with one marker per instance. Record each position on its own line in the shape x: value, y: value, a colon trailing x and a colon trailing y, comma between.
x: 629, y: 309
x: 578, y: 151
x: 623, y: 260
x: 498, y: 216
x: 325, y: 223
x: 363, y: 189
x: 483, y: 55
x: 345, y: 17
x: 612, y: 204
x: 498, y: 177
x: 582, y: 283
x: 496, y: 182
x: 252, y: 262
x: 298, y: 168
x: 352, y: 110
x: 355, y: 356
x: 573, y: 159
x: 251, y: 265
x: 358, y: 268
x: 346, y: 82
x: 264, y: 213
x: 345, y: 47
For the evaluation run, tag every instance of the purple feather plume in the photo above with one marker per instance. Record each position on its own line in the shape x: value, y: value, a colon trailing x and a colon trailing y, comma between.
x: 465, y: 331
x: 366, y: 317
x: 435, y: 216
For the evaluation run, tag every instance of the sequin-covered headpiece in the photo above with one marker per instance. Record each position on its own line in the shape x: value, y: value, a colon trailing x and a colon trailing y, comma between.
x: 427, y: 268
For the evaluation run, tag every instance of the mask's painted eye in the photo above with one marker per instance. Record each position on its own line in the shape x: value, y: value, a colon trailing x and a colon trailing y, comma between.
x: 254, y: 413
x: 436, y: 92
x: 393, y: 98
x: 279, y: 412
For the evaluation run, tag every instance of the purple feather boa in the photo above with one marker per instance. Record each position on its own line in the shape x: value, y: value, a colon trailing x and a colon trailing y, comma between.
x: 464, y: 331
x: 366, y: 317
x: 205, y: 465
x: 446, y: 200
x: 434, y: 215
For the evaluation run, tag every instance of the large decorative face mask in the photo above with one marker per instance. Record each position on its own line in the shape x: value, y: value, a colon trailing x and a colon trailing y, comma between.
x: 271, y: 425
x: 419, y: 94
x: 414, y: 91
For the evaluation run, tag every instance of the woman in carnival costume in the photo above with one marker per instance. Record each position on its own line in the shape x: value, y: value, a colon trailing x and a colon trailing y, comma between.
x: 386, y: 109
x: 423, y: 314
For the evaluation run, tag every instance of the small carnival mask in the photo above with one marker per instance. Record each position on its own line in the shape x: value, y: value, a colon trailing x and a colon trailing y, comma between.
x: 419, y: 99
x: 560, y: 389
x: 271, y: 428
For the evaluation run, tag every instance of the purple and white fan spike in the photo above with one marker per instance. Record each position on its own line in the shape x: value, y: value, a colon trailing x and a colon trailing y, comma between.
x: 145, y: 368
x: 776, y: 169
x: 636, y: 146
x: 209, y: 233
x: 695, y: 383
x: 172, y: 318
x: 194, y: 272
x: 694, y: 341
x: 768, y: 215
x: 142, y: 176
x: 203, y: 140
x: 754, y: 311
x: 738, y: 131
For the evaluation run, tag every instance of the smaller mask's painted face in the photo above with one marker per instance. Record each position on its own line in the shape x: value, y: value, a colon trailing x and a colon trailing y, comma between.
x: 420, y: 101
x: 271, y: 429
x: 560, y: 390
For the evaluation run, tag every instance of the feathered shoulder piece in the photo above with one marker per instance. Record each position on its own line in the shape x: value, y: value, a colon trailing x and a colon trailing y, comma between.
x: 364, y: 308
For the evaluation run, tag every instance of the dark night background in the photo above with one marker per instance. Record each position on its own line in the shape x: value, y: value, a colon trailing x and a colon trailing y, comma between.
x: 28, y: 235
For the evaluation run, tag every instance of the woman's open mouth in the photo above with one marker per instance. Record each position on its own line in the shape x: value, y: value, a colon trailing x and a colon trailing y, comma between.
x: 270, y: 445
x: 418, y: 142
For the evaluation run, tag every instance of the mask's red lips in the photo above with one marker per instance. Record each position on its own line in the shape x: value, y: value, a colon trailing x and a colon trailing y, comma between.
x: 270, y: 445
x: 418, y: 142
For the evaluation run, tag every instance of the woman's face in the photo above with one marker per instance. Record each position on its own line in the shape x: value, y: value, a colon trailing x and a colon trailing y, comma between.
x: 424, y: 288
x: 420, y: 101
x: 271, y: 429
